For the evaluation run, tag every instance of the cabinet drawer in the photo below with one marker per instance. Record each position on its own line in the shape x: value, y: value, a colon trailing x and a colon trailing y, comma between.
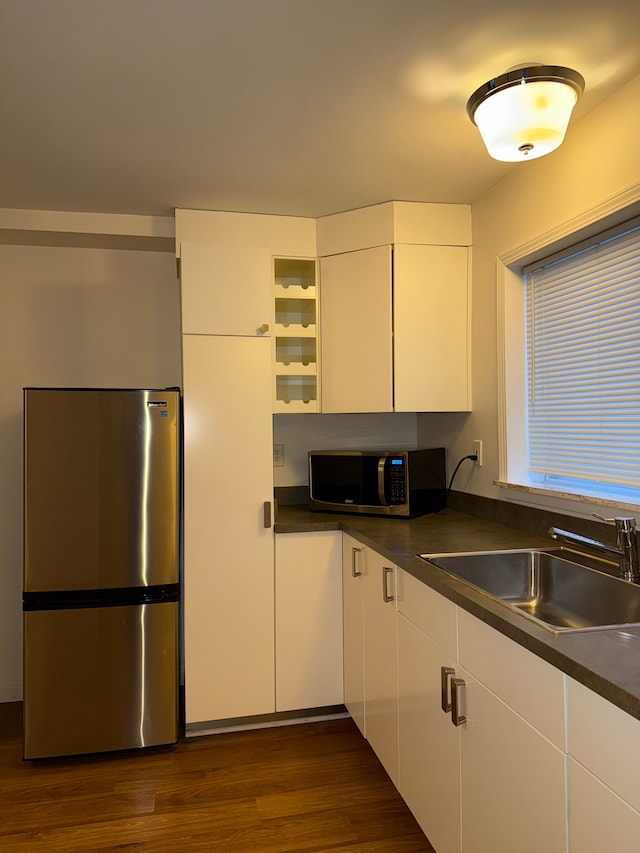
x: 605, y: 740
x: 429, y: 611
x: 529, y: 685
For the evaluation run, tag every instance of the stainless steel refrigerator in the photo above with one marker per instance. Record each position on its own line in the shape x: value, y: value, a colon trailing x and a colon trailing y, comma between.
x: 101, y: 569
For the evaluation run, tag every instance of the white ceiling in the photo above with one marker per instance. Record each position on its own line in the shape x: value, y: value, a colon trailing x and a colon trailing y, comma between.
x: 302, y: 107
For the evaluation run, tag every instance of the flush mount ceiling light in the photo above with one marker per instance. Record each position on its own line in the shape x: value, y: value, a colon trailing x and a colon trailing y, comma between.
x: 524, y: 113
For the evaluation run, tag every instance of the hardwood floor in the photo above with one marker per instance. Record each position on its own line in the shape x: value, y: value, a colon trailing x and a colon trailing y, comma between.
x: 311, y: 787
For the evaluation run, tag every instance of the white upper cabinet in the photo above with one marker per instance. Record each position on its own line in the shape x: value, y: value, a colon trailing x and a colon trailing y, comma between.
x: 356, y: 329
x: 431, y: 295
x: 226, y: 290
x: 394, y: 330
x: 395, y: 309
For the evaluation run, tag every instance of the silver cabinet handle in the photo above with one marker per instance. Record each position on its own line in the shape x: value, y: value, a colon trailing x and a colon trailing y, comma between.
x: 355, y: 572
x: 446, y: 672
x: 386, y: 571
x: 457, y: 718
x: 267, y: 513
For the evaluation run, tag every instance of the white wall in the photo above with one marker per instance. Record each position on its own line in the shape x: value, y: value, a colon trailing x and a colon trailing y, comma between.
x: 598, y: 162
x: 71, y: 317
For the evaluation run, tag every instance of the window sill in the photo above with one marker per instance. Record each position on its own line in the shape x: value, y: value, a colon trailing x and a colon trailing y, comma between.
x: 572, y: 496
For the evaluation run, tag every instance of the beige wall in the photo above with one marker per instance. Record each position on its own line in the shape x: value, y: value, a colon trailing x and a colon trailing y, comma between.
x: 71, y: 317
x: 597, y: 163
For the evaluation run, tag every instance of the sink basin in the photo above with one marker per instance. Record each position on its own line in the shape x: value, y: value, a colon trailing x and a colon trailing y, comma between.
x: 548, y: 586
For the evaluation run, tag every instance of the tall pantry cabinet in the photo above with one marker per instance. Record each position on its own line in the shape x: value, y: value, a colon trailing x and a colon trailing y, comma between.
x: 226, y: 272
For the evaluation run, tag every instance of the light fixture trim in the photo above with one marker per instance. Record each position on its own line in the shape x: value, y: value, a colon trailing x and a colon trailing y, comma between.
x: 528, y: 74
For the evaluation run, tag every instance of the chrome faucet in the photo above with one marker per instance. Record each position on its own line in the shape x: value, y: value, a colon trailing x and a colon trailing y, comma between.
x: 625, y: 550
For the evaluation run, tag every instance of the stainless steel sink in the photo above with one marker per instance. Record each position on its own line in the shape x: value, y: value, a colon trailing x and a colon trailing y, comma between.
x: 552, y: 587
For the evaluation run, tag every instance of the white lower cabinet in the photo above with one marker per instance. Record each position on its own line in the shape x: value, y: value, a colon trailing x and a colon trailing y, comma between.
x: 497, y: 780
x: 513, y: 780
x: 536, y: 762
x: 353, y: 556
x: 380, y: 661
x: 370, y: 651
x: 599, y: 820
x: 308, y: 620
x: 512, y: 745
x: 429, y: 745
x: 604, y: 774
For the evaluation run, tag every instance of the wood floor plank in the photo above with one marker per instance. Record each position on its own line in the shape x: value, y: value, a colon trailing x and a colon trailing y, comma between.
x: 308, y: 788
x: 321, y: 798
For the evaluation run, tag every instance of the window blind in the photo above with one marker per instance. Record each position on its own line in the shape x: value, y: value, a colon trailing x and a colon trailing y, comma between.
x: 583, y: 359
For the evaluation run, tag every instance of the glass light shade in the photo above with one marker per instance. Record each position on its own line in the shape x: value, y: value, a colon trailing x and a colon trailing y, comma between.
x: 525, y: 113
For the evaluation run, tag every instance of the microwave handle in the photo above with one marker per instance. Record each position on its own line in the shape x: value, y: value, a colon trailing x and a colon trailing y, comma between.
x: 381, y: 490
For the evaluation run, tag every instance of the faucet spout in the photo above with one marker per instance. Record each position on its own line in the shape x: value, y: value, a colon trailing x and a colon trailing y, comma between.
x: 625, y: 550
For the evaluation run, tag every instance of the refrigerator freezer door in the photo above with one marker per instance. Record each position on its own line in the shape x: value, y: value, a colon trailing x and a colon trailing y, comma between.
x: 101, y: 488
x: 100, y: 679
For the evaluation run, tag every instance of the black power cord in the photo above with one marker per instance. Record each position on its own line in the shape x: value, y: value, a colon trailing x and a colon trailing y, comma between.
x: 472, y: 456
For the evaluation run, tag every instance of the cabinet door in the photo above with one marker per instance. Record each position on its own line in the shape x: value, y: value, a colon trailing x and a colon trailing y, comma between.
x: 513, y: 759
x: 308, y: 620
x: 605, y: 740
x: 598, y: 819
x: 429, y: 743
x: 431, y: 328
x: 513, y: 779
x: 228, y: 552
x: 380, y: 662
x: 604, y: 775
x: 353, y: 575
x: 355, y: 331
x: 225, y: 290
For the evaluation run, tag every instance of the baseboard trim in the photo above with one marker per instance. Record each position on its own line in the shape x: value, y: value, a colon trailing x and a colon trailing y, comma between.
x: 264, y: 721
x: 10, y: 693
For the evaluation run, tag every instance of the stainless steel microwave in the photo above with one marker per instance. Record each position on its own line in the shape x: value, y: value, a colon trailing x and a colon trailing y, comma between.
x: 403, y: 483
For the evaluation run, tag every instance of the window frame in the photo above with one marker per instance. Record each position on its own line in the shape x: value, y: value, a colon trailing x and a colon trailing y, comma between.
x: 513, y: 473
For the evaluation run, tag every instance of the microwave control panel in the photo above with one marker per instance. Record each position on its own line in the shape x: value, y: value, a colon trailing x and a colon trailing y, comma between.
x: 397, y: 480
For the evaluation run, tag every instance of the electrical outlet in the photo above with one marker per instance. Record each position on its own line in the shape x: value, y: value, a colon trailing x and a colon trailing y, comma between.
x: 477, y: 449
x: 278, y: 455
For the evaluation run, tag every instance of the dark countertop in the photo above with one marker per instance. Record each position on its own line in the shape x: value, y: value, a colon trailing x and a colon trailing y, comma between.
x: 606, y: 661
